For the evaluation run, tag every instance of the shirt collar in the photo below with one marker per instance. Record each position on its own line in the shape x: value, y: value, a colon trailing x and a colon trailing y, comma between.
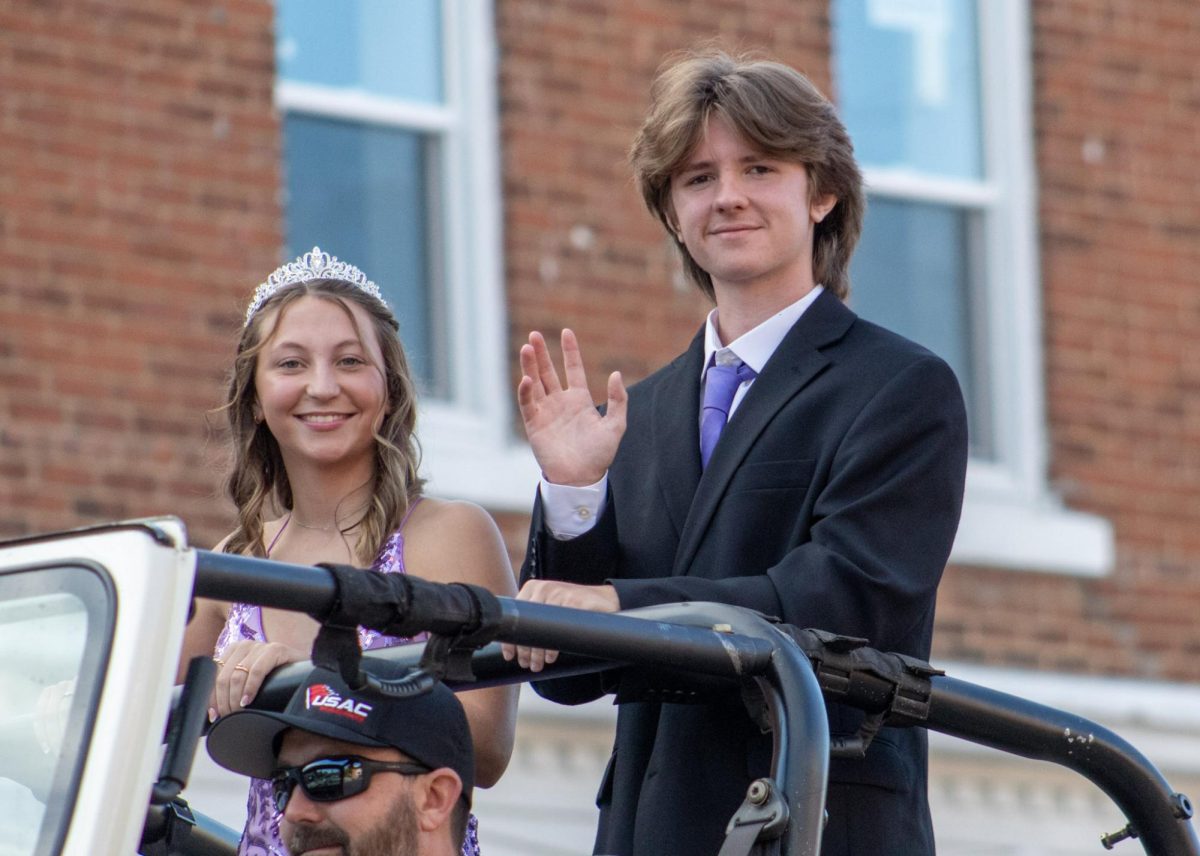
x: 755, y: 346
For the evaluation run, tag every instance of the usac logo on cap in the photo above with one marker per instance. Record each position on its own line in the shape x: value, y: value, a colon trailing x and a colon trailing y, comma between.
x: 325, y: 699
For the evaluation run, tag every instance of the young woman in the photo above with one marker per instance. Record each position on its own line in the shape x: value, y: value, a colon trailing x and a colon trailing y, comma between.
x: 321, y: 412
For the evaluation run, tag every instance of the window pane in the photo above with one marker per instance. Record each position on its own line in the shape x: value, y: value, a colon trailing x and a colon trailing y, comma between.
x: 908, y: 84
x: 391, y: 48
x: 53, y: 633
x: 361, y: 193
x: 912, y: 274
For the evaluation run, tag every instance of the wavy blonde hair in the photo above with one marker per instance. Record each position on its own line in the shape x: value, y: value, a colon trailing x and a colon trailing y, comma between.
x: 258, y: 483
x: 778, y: 110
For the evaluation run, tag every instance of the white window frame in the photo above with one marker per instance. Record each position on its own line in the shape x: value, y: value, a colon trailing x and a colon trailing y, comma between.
x: 468, y: 448
x: 1012, y: 518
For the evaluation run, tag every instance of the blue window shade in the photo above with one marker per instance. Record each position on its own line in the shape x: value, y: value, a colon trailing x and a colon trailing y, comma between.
x: 908, y: 84
x: 912, y: 274
x: 383, y: 47
x: 361, y: 193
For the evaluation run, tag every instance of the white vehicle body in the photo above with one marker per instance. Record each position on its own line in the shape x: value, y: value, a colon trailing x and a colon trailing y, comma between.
x: 91, y: 625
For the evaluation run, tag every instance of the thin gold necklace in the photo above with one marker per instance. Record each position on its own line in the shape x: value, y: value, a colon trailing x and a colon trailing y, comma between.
x: 325, y: 529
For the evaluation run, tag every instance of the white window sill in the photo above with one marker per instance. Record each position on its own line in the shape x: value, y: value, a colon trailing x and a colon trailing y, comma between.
x: 1004, y: 526
x: 465, y: 457
x: 1001, y: 527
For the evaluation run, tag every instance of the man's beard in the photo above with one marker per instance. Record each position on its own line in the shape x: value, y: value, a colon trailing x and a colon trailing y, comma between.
x: 394, y: 835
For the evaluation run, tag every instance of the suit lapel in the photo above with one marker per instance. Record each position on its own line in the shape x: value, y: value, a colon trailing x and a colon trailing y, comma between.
x: 798, y: 359
x: 677, y: 432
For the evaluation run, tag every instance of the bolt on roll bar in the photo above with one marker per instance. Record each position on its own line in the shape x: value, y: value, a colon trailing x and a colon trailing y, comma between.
x: 795, y: 669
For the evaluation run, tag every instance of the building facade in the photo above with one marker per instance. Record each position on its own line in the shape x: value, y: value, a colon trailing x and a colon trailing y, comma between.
x: 1034, y: 217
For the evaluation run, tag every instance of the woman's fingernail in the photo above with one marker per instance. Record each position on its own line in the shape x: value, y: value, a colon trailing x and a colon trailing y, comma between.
x: 245, y: 701
x: 212, y: 715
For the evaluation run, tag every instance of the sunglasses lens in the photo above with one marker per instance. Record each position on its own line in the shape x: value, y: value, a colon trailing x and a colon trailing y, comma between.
x: 324, y: 780
x: 327, y: 780
x: 281, y: 789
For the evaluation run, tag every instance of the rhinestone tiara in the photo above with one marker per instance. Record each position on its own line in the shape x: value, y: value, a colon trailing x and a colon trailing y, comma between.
x: 311, y: 266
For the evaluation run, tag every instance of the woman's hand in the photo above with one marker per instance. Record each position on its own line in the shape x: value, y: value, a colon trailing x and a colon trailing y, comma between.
x: 244, y: 666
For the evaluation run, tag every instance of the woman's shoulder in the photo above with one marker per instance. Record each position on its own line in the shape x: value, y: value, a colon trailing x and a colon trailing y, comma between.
x: 445, y: 536
x: 448, y: 516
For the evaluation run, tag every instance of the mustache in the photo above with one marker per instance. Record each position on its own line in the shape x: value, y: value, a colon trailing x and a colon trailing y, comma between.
x: 307, y: 837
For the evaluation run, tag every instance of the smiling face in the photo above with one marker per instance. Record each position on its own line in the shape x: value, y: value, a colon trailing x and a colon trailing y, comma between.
x: 320, y: 384
x: 746, y: 217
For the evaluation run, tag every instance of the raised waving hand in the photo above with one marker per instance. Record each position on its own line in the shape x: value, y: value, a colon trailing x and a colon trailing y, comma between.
x: 573, y: 442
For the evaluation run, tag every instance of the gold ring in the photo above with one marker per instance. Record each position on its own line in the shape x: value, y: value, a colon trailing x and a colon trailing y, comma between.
x: 242, y: 667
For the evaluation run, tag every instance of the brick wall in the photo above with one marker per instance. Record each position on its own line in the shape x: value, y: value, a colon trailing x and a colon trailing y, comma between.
x: 1118, y: 155
x: 139, y: 162
x: 1117, y: 150
x: 139, y: 187
x: 581, y: 249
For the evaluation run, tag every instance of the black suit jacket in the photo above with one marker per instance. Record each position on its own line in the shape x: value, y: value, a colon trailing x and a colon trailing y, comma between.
x: 830, y: 501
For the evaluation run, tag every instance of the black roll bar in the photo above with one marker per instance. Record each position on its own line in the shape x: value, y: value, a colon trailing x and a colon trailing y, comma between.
x: 1157, y: 815
x: 747, y: 646
x: 725, y: 642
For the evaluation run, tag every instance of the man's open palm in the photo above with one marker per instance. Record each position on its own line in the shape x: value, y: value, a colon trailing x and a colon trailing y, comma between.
x: 573, y: 442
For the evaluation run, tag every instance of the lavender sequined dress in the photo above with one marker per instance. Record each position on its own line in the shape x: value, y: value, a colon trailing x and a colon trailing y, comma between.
x: 261, y: 835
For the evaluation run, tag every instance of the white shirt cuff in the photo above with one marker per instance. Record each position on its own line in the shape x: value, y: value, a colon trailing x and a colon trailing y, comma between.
x: 571, y: 511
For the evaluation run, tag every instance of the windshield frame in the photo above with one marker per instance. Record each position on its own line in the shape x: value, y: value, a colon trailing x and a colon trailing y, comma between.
x: 92, y: 586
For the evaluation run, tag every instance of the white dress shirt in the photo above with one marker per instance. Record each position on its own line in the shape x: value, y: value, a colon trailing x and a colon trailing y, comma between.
x: 571, y: 511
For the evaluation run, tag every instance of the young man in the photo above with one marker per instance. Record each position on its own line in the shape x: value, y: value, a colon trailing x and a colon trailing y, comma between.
x: 829, y: 496
x: 355, y: 772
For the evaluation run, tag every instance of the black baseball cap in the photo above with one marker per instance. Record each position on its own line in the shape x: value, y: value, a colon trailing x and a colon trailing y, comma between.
x: 430, y: 728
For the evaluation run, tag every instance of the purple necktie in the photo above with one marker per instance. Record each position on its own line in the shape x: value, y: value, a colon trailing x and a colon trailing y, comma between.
x: 720, y: 385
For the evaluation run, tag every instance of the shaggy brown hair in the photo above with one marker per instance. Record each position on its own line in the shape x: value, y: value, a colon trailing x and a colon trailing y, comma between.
x: 776, y: 109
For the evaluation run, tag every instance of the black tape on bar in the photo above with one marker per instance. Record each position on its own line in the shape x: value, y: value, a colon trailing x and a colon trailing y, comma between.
x: 404, y: 605
x: 895, y: 685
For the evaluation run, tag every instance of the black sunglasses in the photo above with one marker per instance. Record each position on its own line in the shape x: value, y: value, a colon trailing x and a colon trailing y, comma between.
x: 332, y: 779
